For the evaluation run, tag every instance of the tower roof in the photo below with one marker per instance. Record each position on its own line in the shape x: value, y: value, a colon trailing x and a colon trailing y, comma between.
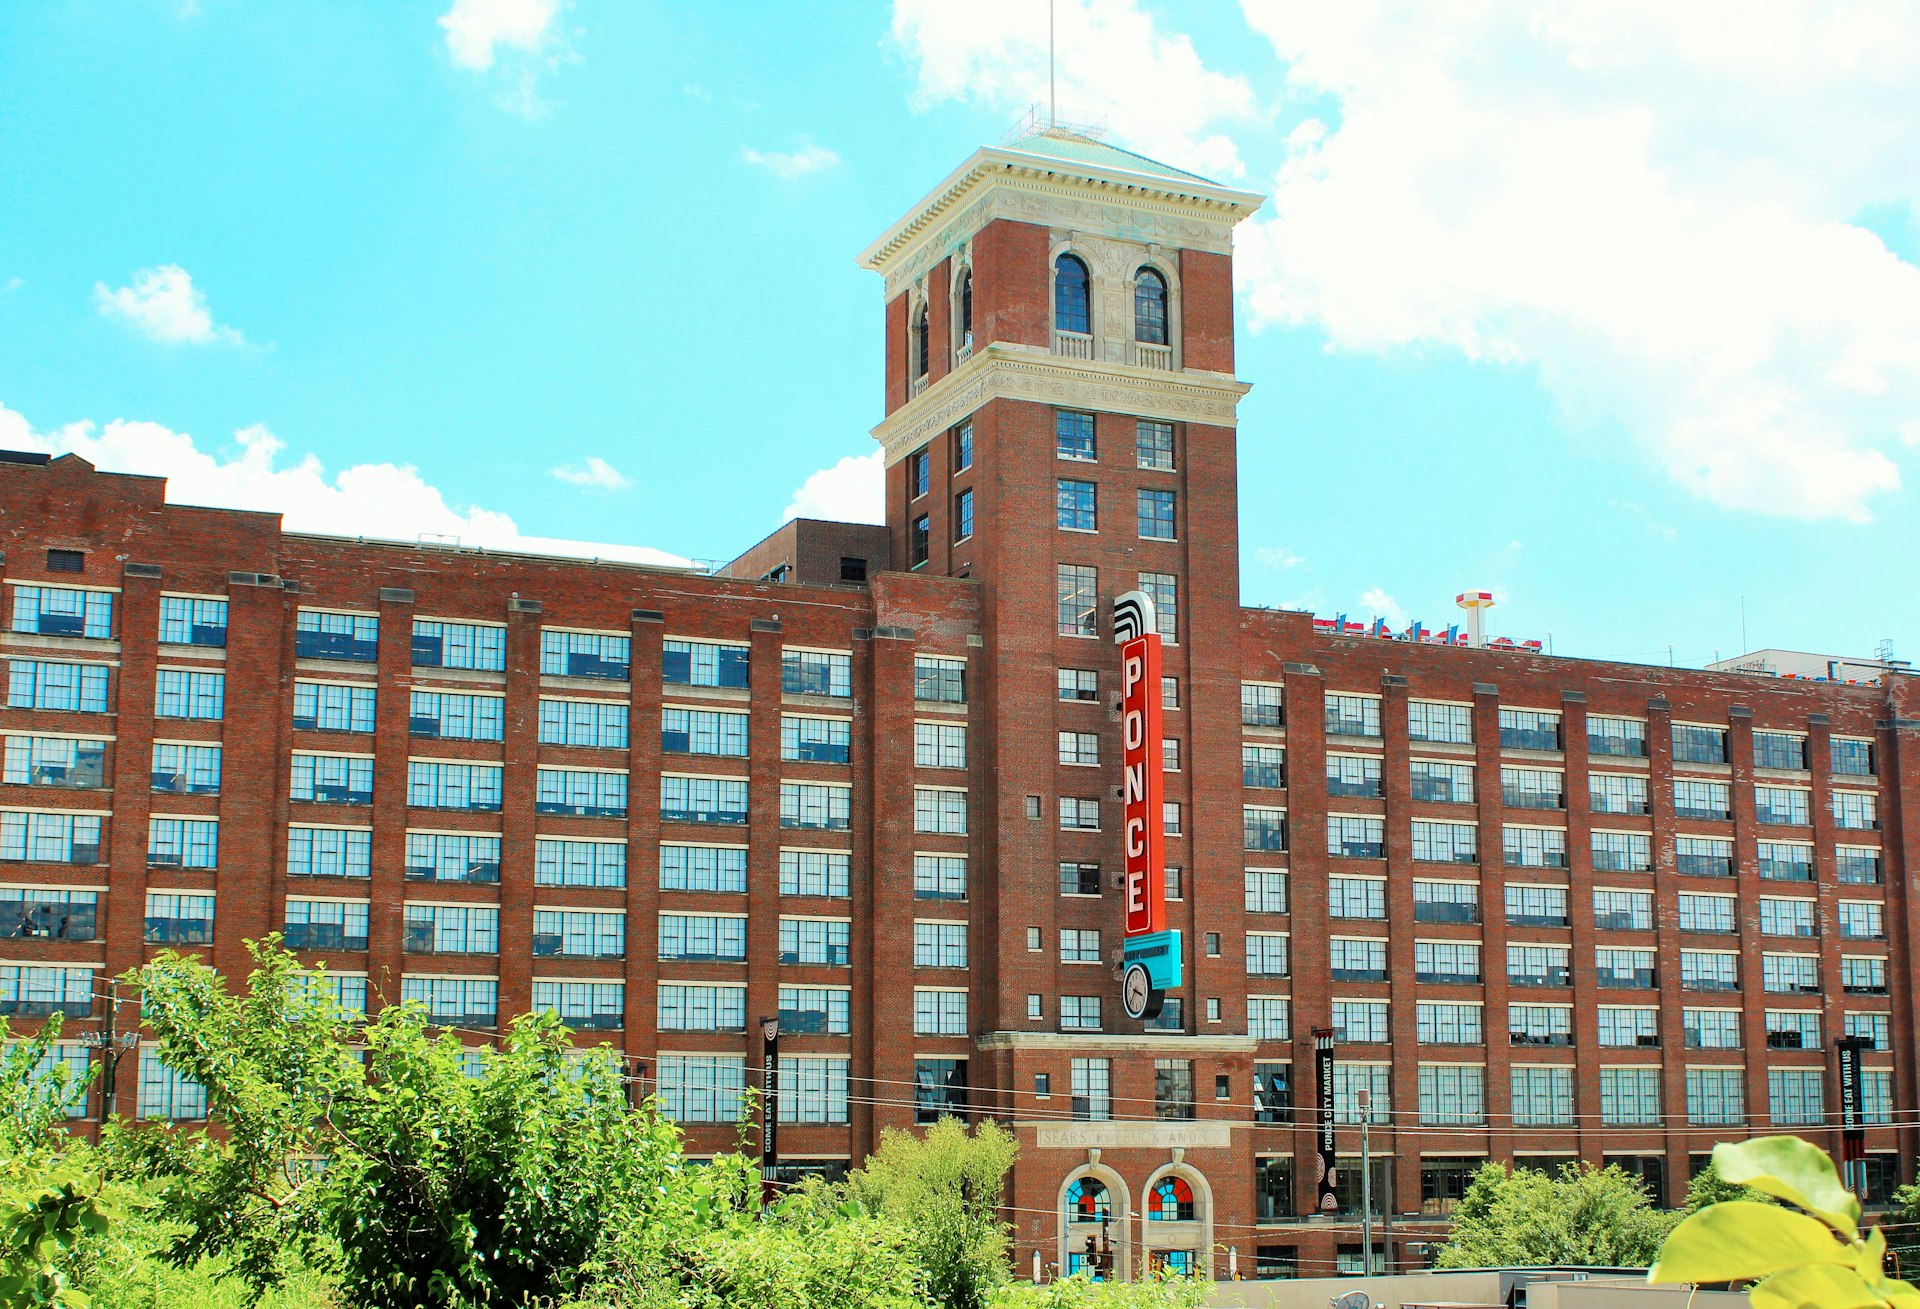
x: 1064, y: 143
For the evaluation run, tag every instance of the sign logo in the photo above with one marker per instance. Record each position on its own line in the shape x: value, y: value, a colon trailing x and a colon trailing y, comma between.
x: 1152, y: 962
x: 1329, y: 1161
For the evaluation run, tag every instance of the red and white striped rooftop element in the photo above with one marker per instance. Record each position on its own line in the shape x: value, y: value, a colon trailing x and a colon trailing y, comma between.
x: 1476, y: 603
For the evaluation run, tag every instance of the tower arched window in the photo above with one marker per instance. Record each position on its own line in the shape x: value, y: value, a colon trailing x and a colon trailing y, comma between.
x: 1171, y: 1200
x: 919, y: 360
x: 1088, y: 1201
x: 1149, y: 307
x: 966, y: 306
x: 1072, y: 303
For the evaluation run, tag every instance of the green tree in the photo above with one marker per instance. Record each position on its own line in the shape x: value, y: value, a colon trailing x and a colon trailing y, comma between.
x: 1159, y: 1292
x: 1600, y: 1217
x: 944, y: 1188
x: 1708, y: 1187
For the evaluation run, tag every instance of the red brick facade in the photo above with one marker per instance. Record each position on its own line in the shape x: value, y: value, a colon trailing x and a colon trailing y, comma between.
x: 988, y: 602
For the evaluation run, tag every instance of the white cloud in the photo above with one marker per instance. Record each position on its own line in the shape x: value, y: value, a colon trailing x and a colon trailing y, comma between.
x: 1278, y: 557
x: 1376, y: 603
x: 593, y: 472
x: 163, y: 304
x: 852, y: 491
x: 388, y: 501
x: 475, y: 27
x: 994, y: 53
x: 1649, y: 203
x: 809, y: 158
x: 13, y: 284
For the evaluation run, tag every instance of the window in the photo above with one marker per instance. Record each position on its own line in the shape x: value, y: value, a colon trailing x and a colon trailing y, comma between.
x: 1617, y: 793
x: 1273, y: 1194
x: 1529, y: 729
x: 1622, y: 1026
x: 1360, y: 1021
x: 1533, y: 788
x: 816, y: 806
x: 963, y: 434
x: 814, y: 941
x: 816, y: 672
x: 1266, y: 891
x: 47, y: 684
x: 603, y: 724
x: 1153, y: 445
x: 939, y: 1012
x: 1711, y: 1029
x: 1851, y: 756
x: 1267, y: 955
x: 1542, y: 1096
x: 322, y: 634
x: 1080, y: 1013
x: 919, y: 541
x: 1630, y: 1097
x: 1780, y: 917
x: 718, y: 938
x: 1079, y: 749
x: 823, y: 873
x: 703, y: 799
x: 1872, y: 1026
x: 1353, y: 715
x: 1442, y: 783
x: 1793, y: 1097
x: 919, y: 469
x: 455, y: 857
x: 71, y: 762
x: 1072, y: 305
x: 1703, y: 856
x: 1164, y: 590
x: 1623, y: 911
x: 702, y: 663
x: 1351, y: 959
x: 1709, y: 970
x: 436, y: 784
x: 49, y: 838
x: 1079, y: 879
x: 1860, y: 975
x: 332, y: 707
x: 560, y: 862
x: 1539, y: 1024
x: 1533, y: 847
x: 1537, y: 965
x: 1622, y: 852
x: 1173, y: 1097
x: 1782, y: 861
x: 1447, y: 1024
x: 453, y: 716
x: 1619, y: 737
x: 940, y: 810
x: 455, y: 1001
x: 1446, y: 961
x: 940, y: 680
x: 1876, y: 1107
x: 1429, y: 720
x: 1170, y: 755
x: 705, y: 1008
x: 1446, y: 902
x: 1268, y: 1018
x: 181, y: 694
x: 1074, y: 503
x: 1798, y: 1029
x: 1623, y: 968
x: 1451, y: 1095
x: 192, y: 620
x: 579, y: 934
x: 1716, y: 1097
x: 1353, y: 775
x: 1079, y: 684
x: 1263, y: 766
x: 1076, y: 595
x: 944, y: 945
x: 451, y: 929
x: 939, y: 877
x: 702, y: 1088
x: 1857, y: 865
x: 587, y: 654
x: 1349, y: 1077
x: 1155, y: 513
x: 1260, y: 705
x: 1356, y: 897
x: 183, y: 842
x: 50, y: 915
x: 939, y: 1088
x: 1073, y: 435
x: 807, y: 739
x: 439, y: 644
x: 1707, y: 914
x: 1356, y: 837
x: 63, y: 611
x: 167, y: 1094
x: 1779, y: 750
x: 1781, y: 805
x: 1856, y: 811
x: 311, y: 924
x: 1860, y: 920
x: 1272, y: 1093
x: 331, y: 778
x: 1149, y: 307
x: 1529, y: 905
x: 1790, y: 974
x: 1445, y: 843
x: 1694, y: 744
x: 1091, y: 1087
x: 1079, y: 815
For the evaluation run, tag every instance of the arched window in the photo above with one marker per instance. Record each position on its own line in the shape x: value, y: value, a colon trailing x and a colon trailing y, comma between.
x: 966, y: 306
x: 1149, y: 307
x: 1072, y: 309
x: 1171, y: 1200
x: 1088, y: 1201
x: 920, y: 343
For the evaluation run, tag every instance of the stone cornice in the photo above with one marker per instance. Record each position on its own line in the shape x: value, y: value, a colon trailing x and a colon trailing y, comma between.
x: 997, y: 183
x: 1013, y: 372
x: 1165, y: 1043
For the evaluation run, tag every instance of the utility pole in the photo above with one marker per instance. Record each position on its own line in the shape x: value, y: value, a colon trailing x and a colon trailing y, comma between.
x: 1364, y: 1098
x: 112, y: 1048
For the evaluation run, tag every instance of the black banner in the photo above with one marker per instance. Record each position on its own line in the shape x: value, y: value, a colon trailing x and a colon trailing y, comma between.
x: 1329, y: 1171
x: 1853, y: 1135
x: 769, y: 1106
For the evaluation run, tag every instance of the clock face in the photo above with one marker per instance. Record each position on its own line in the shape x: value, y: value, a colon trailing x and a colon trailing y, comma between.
x: 1137, y: 991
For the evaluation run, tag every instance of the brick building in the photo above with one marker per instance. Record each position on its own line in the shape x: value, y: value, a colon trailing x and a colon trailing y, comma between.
x: 865, y: 778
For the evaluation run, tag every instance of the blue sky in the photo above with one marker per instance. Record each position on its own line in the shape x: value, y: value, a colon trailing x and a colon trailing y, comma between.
x: 1593, y: 307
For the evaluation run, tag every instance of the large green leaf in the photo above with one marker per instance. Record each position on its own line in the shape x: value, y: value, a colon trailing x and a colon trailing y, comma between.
x: 1816, y: 1286
x: 1794, y: 1170
x: 1740, y: 1239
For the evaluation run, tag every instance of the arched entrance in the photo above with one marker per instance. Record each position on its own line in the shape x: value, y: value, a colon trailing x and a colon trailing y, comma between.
x: 1093, y: 1211
x: 1176, y: 1221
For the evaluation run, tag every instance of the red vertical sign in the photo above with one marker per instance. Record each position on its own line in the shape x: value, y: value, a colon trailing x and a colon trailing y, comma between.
x: 1142, y: 787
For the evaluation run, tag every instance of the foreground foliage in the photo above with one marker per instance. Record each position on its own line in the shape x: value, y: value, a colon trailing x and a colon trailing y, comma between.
x: 1599, y: 1217
x: 1809, y: 1252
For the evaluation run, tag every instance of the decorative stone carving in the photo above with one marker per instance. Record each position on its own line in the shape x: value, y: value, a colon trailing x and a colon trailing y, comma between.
x: 1134, y: 1135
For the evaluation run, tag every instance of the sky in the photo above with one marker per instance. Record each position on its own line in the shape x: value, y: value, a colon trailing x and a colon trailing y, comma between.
x: 1610, y: 308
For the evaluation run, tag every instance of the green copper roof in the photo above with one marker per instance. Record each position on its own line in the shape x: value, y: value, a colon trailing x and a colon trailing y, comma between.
x: 1058, y: 143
